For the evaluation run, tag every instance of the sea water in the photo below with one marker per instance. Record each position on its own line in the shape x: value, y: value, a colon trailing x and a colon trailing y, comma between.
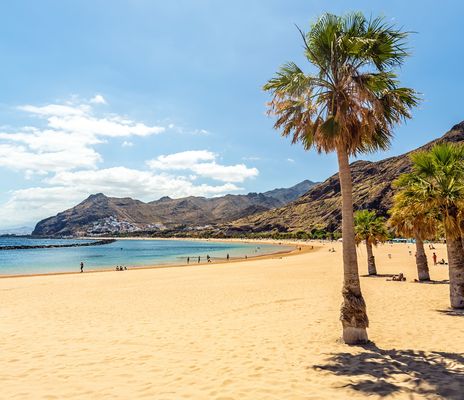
x: 128, y: 253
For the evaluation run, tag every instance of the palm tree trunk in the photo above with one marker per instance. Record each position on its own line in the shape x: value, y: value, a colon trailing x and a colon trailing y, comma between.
x: 456, y: 270
x: 421, y: 260
x: 371, y: 268
x: 353, y: 310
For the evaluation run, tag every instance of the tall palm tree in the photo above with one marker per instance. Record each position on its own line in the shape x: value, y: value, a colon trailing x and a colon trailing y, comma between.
x: 370, y: 228
x: 349, y: 105
x: 437, y: 182
x: 410, y: 219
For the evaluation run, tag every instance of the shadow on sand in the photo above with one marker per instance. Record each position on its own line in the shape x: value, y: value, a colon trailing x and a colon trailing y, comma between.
x: 385, y: 372
x: 377, y: 276
x: 432, y: 282
x: 451, y: 312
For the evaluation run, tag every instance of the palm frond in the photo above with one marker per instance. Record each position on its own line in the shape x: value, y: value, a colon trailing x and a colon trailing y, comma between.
x: 355, y: 99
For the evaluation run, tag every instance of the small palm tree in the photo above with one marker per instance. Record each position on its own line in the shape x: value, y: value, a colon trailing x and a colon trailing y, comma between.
x: 349, y: 105
x: 437, y: 183
x: 409, y: 218
x: 371, y: 229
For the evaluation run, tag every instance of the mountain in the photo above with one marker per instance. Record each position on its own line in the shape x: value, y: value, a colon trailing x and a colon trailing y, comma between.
x: 320, y: 207
x: 99, y: 214
x: 286, y: 195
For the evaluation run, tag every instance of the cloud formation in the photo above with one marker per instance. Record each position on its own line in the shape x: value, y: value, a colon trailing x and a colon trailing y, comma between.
x: 203, y: 163
x: 66, y: 142
x: 59, y: 155
x: 98, y: 99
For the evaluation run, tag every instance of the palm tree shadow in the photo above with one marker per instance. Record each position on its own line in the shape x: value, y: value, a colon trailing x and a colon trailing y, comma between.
x: 453, y: 313
x: 384, y: 372
x: 377, y: 276
x: 432, y: 282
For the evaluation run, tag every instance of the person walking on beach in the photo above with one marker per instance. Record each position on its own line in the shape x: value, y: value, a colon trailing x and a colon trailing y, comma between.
x: 198, y: 259
x: 434, y: 256
x: 188, y: 260
x: 228, y: 257
x: 208, y: 258
x: 82, y: 266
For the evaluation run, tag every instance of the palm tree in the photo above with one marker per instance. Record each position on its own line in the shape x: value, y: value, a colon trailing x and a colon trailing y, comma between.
x: 370, y: 228
x: 437, y: 182
x: 410, y: 219
x: 349, y: 105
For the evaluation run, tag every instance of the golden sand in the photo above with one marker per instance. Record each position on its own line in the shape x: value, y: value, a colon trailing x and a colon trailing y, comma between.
x: 261, y: 329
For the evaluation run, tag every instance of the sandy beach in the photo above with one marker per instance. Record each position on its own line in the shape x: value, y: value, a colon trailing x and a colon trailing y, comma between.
x: 261, y: 329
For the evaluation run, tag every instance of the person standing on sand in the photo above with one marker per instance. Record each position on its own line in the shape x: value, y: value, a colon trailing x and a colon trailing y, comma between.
x: 434, y: 256
x: 198, y: 259
x: 82, y: 266
x: 228, y: 257
x: 188, y: 260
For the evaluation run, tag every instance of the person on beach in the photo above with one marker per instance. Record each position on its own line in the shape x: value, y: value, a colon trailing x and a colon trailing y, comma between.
x: 208, y: 258
x: 82, y: 266
x: 434, y: 257
x: 188, y: 260
x: 198, y: 259
x: 227, y: 256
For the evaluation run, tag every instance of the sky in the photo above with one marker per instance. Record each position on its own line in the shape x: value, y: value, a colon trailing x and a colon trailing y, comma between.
x: 147, y: 99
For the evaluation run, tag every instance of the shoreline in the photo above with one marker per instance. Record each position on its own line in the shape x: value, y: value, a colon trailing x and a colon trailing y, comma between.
x: 264, y: 329
x: 299, y: 248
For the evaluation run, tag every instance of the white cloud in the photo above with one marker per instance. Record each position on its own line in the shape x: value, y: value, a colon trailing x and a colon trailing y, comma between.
x: 182, y: 160
x: 28, y: 206
x: 98, y: 99
x: 291, y: 160
x: 69, y: 188
x: 17, y: 157
x: 60, y: 153
x: 187, y: 131
x: 67, y: 142
x: 145, y: 185
x: 203, y: 163
x: 230, y: 173
x: 112, y: 126
x: 202, y: 132
x: 55, y: 110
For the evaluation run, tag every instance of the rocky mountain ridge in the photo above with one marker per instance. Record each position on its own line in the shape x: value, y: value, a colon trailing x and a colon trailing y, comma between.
x: 99, y: 214
x: 320, y: 207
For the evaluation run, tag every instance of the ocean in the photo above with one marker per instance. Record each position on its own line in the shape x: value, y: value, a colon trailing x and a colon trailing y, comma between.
x: 128, y: 253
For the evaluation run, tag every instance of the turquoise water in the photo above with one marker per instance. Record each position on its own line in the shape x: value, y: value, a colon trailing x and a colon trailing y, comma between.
x: 127, y: 253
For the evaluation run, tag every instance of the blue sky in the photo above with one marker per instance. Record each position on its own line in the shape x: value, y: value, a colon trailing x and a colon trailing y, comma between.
x: 150, y: 98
